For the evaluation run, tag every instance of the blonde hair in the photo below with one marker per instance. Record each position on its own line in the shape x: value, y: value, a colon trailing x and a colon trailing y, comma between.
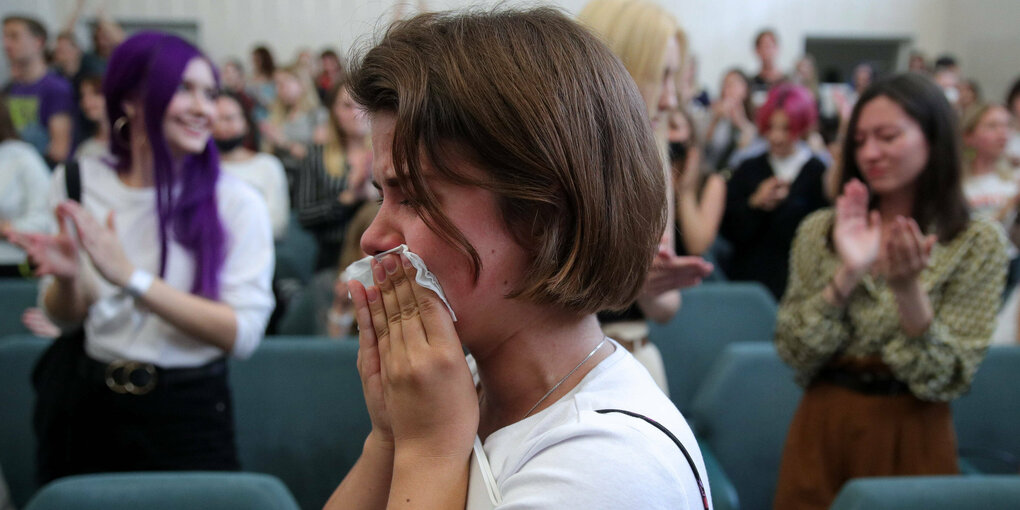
x: 308, y: 102
x: 637, y: 31
x: 970, y: 123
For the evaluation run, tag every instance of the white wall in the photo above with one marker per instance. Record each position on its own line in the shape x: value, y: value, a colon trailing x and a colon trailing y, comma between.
x: 720, y: 31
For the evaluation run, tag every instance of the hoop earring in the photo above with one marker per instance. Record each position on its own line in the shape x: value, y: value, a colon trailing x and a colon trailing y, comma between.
x: 118, y: 131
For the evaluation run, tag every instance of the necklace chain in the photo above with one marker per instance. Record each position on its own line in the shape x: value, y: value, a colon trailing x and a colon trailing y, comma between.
x: 570, y: 373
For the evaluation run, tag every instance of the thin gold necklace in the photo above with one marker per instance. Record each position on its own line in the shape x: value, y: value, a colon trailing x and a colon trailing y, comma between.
x: 557, y: 385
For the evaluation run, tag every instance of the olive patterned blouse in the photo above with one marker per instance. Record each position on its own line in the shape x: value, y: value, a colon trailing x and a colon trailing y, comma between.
x: 964, y: 281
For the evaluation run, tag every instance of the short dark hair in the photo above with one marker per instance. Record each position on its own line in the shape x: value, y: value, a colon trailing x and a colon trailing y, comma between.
x: 554, y: 122
x: 939, y: 199
x: 264, y: 63
x: 1014, y: 93
x: 767, y: 32
x: 34, y: 26
x: 945, y: 62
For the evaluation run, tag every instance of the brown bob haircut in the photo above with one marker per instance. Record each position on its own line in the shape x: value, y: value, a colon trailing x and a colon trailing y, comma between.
x: 555, y: 125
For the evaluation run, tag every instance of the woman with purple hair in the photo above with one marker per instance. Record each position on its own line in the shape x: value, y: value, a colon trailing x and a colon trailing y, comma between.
x: 161, y: 269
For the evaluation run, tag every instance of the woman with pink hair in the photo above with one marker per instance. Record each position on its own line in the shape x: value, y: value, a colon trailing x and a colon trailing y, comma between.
x: 769, y: 195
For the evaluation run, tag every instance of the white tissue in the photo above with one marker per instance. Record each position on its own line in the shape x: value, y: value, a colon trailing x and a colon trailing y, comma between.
x: 362, y: 272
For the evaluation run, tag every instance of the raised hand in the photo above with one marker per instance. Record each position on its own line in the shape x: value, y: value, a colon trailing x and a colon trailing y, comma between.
x: 857, y: 233
x: 99, y: 242
x: 670, y: 272
x: 412, y: 364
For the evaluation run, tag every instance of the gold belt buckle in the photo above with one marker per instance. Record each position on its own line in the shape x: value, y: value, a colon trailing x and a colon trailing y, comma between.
x: 118, y: 377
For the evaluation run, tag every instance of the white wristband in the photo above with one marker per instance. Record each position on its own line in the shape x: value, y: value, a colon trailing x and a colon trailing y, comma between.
x: 139, y: 283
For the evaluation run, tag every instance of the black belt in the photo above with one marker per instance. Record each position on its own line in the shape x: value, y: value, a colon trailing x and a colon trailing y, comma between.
x: 866, y: 382
x: 138, y: 378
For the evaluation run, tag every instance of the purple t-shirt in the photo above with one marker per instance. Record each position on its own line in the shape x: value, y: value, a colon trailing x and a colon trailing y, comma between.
x: 32, y: 104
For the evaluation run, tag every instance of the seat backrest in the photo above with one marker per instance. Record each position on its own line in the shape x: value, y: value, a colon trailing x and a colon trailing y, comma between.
x: 929, y: 493
x: 300, y: 414
x: 987, y: 418
x: 18, y: 294
x: 712, y: 316
x: 742, y: 413
x: 165, y: 491
x: 18, y: 355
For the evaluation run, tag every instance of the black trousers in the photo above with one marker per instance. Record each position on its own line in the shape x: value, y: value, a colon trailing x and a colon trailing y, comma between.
x: 83, y: 426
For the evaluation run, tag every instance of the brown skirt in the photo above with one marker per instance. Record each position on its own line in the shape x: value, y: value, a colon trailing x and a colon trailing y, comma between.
x: 838, y: 434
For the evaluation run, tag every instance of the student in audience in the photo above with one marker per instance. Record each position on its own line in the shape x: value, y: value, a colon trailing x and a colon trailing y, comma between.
x: 334, y: 180
x: 162, y: 284
x: 730, y: 128
x: 331, y: 71
x: 890, y: 303
x: 917, y: 63
x: 24, y: 179
x: 262, y: 84
x: 232, y: 80
x: 990, y: 182
x: 455, y: 115
x: 947, y: 75
x: 970, y: 95
x: 700, y: 196
x: 262, y: 171
x: 40, y: 101
x: 1013, y: 104
x: 69, y: 60
x: 805, y: 74
x: 296, y: 119
x: 93, y: 107
x: 766, y: 48
x: 769, y: 195
x: 651, y: 45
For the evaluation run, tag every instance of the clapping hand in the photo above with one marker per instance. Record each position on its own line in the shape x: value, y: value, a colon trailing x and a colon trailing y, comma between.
x: 770, y: 193
x: 906, y: 253
x: 857, y: 233
x: 670, y: 272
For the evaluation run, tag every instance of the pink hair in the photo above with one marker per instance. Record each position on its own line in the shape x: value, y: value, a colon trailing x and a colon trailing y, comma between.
x: 795, y: 101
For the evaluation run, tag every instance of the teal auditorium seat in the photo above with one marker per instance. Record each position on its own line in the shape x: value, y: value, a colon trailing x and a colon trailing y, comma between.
x: 18, y: 355
x: 296, y: 253
x: 988, y: 417
x: 300, y: 414
x: 713, y: 315
x: 741, y: 414
x: 165, y: 491
x: 930, y: 493
x: 17, y: 295
x: 724, y: 494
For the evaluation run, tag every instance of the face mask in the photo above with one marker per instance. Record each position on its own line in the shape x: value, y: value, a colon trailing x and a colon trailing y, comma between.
x: 677, y: 151
x: 228, y: 144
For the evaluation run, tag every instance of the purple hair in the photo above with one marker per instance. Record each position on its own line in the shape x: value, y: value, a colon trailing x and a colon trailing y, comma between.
x: 148, y: 67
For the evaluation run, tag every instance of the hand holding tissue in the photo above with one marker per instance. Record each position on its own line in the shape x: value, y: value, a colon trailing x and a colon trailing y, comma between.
x: 361, y: 271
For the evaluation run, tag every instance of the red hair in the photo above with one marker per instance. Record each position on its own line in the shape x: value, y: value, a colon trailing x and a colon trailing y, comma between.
x: 795, y: 101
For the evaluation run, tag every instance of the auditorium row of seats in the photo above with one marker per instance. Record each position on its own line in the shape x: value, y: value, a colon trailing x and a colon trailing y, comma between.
x: 301, y: 421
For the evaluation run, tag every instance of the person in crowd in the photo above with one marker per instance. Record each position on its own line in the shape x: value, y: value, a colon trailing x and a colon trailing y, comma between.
x: 455, y: 116
x: 861, y: 78
x: 805, y: 74
x: 334, y: 179
x: 917, y: 63
x: 24, y: 179
x: 262, y: 82
x: 340, y: 321
x: 40, y: 102
x: 156, y: 287
x: 946, y: 74
x: 106, y: 35
x: 232, y: 80
x: 700, y: 196
x: 766, y: 48
x: 331, y: 71
x: 1013, y: 104
x: 769, y: 195
x: 651, y: 45
x: 970, y: 97
x: 730, y: 127
x: 262, y: 171
x: 93, y: 107
x: 296, y: 119
x: 890, y: 304
x: 990, y: 182
x: 69, y: 60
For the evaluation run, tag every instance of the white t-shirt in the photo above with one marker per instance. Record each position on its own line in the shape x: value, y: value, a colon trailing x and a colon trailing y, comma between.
x: 265, y: 173
x: 116, y: 326
x: 787, y: 169
x: 987, y: 193
x: 569, y: 457
x: 24, y: 179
